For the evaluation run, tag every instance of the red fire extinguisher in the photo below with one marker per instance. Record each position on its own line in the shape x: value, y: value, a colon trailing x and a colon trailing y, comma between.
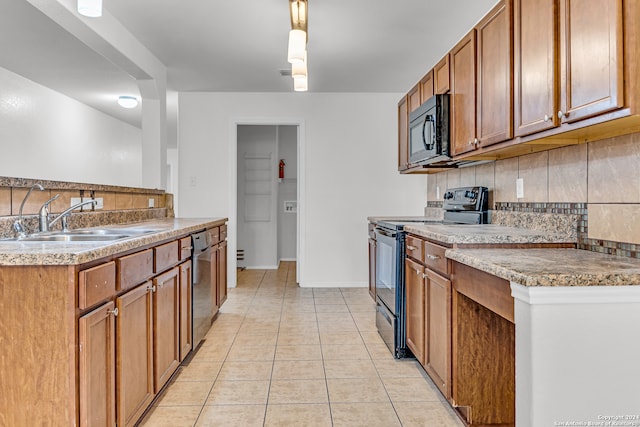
x: 281, y: 169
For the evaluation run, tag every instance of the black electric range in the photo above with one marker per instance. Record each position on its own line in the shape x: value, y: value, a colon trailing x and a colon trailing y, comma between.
x: 465, y: 205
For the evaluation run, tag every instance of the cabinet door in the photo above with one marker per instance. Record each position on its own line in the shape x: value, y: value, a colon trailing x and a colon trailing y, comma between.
x: 591, y: 57
x: 222, y: 274
x: 441, y: 77
x: 372, y: 268
x: 97, y: 367
x: 403, y: 134
x: 426, y: 87
x: 186, y: 330
x: 166, y: 327
x: 438, y: 331
x: 535, y: 66
x: 463, y: 95
x: 415, y: 296
x: 134, y: 346
x: 495, y: 88
x: 215, y: 266
x: 414, y: 98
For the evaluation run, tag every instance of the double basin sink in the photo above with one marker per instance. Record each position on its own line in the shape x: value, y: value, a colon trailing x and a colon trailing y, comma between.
x: 87, y: 235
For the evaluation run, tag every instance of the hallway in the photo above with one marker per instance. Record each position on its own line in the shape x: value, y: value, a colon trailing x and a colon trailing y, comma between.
x: 280, y: 355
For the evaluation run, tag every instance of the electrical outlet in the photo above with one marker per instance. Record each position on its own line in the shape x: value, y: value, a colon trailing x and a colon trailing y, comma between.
x: 75, y: 201
x: 99, y: 203
x: 520, y: 188
x: 152, y: 202
x: 192, y: 181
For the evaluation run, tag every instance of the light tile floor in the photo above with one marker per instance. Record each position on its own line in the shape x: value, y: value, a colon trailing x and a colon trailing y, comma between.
x: 281, y: 355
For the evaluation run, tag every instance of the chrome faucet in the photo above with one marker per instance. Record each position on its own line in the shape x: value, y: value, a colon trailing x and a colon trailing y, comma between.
x: 18, y: 225
x: 45, y: 225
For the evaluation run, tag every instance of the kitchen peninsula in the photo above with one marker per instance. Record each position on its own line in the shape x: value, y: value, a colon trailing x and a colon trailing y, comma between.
x: 553, y: 328
x: 91, y: 331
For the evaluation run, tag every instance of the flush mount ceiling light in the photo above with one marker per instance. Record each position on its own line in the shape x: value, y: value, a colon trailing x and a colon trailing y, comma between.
x: 90, y: 8
x: 298, y: 37
x: 128, y: 101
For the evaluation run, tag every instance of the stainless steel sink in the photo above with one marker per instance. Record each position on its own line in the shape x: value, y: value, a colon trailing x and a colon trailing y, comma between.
x: 75, y: 237
x: 86, y: 235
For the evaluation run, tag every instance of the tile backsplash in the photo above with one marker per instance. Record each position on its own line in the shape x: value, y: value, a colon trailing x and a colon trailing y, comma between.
x: 598, y: 180
x: 120, y: 204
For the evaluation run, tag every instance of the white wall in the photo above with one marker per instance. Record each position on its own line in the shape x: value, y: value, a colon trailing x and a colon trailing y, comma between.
x: 287, y: 191
x: 348, y: 171
x: 47, y: 135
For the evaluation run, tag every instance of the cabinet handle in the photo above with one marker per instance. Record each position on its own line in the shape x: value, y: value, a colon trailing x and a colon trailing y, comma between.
x: 411, y: 248
x: 187, y: 247
x: 561, y: 114
x: 433, y: 257
x: 151, y: 288
x: 546, y: 118
x: 475, y: 140
x: 114, y: 312
x: 417, y: 272
x: 470, y: 142
x: 424, y: 276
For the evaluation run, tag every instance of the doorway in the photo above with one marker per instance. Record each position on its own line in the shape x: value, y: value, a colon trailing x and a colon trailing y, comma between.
x: 267, y: 195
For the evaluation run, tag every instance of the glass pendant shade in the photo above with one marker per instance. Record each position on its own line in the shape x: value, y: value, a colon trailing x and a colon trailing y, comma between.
x: 300, y: 84
x: 297, y: 46
x: 90, y: 8
x: 299, y: 69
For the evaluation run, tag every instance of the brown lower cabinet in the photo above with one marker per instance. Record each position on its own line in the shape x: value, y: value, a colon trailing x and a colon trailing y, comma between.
x: 134, y: 357
x: 221, y: 282
x: 97, y: 367
x: 166, y: 330
x: 460, y: 328
x: 437, y: 360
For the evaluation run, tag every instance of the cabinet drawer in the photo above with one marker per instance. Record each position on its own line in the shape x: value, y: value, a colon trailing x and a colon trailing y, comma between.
x: 223, y: 233
x: 434, y: 257
x: 414, y: 247
x: 96, y: 284
x: 214, y: 234
x: 165, y: 256
x: 185, y: 248
x: 134, y: 269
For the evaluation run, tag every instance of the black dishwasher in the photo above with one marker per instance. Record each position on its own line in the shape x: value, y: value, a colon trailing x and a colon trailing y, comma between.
x: 202, y: 286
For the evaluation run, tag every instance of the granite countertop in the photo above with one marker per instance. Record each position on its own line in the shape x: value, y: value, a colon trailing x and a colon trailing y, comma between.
x: 485, y: 234
x: 552, y: 267
x: 72, y: 253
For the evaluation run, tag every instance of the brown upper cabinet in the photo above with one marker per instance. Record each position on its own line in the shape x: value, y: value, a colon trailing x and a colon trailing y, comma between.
x: 568, y: 61
x: 403, y: 134
x: 441, y: 76
x: 482, y: 83
x: 426, y: 86
x: 463, y: 95
x: 414, y: 98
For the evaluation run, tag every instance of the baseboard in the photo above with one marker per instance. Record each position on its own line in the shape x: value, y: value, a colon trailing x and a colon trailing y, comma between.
x: 287, y: 259
x: 334, y: 285
x: 261, y: 267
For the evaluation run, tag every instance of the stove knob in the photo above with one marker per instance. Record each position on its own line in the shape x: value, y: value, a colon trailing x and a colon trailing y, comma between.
x: 470, y: 194
x: 448, y: 195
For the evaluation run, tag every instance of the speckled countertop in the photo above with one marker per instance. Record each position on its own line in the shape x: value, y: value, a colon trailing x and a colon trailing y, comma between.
x: 72, y: 253
x: 552, y: 267
x: 485, y: 234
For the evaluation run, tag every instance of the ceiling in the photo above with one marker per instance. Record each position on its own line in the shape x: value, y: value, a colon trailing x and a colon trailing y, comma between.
x: 240, y: 46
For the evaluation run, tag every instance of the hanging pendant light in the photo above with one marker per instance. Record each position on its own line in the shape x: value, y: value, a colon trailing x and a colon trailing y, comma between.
x: 298, y: 37
x: 299, y: 69
x: 300, y: 84
x: 90, y: 8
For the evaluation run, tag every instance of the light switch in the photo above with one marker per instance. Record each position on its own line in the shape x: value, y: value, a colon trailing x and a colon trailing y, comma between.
x: 520, y: 188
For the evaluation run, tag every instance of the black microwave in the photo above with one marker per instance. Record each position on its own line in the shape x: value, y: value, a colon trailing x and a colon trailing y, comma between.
x: 429, y: 132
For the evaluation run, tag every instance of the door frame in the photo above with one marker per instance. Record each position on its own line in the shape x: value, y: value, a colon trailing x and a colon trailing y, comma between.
x: 233, y: 187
